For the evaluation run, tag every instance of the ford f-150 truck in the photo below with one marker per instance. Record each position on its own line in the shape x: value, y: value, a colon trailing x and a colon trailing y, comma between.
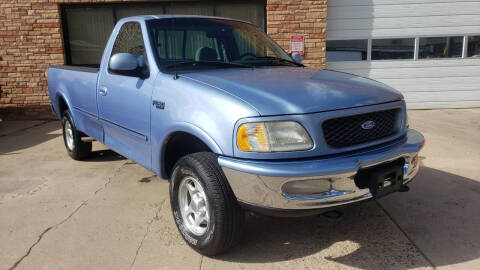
x: 235, y: 123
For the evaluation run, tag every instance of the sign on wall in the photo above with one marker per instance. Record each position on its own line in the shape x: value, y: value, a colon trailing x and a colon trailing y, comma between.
x: 297, y: 44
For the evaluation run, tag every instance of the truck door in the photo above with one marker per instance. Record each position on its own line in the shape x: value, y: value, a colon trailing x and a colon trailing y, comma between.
x: 124, y: 101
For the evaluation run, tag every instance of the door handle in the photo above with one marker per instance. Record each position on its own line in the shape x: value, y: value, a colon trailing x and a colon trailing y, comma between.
x: 102, y: 91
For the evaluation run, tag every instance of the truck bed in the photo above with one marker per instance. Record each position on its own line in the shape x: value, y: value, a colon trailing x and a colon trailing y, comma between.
x: 83, y: 68
x: 77, y: 86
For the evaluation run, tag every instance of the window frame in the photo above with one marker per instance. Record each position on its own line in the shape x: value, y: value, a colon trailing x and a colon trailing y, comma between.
x: 416, y: 47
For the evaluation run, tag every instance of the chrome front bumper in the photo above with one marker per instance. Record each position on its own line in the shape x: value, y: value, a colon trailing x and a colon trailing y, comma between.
x: 262, y: 183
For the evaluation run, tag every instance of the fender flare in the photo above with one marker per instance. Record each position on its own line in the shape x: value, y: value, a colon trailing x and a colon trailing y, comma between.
x: 187, y: 128
x: 61, y: 95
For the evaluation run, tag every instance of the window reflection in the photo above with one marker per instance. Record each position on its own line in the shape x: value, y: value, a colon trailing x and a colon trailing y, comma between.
x: 440, y: 47
x: 399, y: 48
x: 474, y: 46
x: 347, y: 50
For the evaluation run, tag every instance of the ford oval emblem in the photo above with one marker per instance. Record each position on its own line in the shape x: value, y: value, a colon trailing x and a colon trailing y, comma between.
x: 368, y: 125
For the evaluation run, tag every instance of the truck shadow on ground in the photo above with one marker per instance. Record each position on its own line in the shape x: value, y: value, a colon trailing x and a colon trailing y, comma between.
x: 13, y: 143
x: 103, y: 156
x: 444, y: 226
x: 28, y: 136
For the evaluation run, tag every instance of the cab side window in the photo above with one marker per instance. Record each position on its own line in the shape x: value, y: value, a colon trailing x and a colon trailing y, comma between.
x: 129, y: 40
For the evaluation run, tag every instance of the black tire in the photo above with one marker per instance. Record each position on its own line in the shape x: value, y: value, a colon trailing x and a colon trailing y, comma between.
x: 79, y: 149
x: 226, y: 217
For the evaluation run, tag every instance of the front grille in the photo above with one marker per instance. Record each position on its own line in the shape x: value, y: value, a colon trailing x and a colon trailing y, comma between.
x: 348, y: 131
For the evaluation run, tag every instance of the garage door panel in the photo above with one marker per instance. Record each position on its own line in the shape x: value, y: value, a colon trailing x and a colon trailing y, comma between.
x: 443, y: 104
x: 336, y: 3
x: 416, y: 73
x: 434, y: 85
x: 433, y: 92
x: 413, y: 73
x: 400, y: 32
x: 454, y: 71
x: 385, y: 64
x: 413, y: 10
x: 447, y: 96
x: 409, y: 22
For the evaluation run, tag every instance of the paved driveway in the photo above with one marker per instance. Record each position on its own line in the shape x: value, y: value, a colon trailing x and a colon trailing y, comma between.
x: 110, y: 213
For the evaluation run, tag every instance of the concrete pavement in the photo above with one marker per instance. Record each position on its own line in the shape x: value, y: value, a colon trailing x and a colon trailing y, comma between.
x: 109, y: 213
x: 441, y: 213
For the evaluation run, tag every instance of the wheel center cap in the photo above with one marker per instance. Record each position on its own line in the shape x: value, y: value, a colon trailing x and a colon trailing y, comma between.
x: 197, y: 203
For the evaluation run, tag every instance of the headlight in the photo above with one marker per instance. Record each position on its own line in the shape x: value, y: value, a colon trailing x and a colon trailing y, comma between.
x: 277, y: 136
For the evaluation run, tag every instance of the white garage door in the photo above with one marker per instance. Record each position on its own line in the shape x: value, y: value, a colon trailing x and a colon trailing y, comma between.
x: 428, y: 49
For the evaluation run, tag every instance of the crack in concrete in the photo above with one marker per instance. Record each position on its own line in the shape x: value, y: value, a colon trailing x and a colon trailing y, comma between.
x: 40, y: 237
x: 155, y: 217
x: 201, y: 263
x: 406, y: 235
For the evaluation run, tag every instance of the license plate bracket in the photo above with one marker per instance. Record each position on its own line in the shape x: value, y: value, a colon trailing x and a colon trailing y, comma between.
x: 381, y: 179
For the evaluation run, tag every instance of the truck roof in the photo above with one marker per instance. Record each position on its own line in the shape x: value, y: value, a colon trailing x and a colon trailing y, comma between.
x: 170, y: 16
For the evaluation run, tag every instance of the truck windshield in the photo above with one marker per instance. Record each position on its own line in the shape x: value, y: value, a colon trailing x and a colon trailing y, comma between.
x: 206, y: 43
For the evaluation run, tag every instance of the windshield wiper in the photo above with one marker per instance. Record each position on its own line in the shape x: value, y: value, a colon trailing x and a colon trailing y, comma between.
x: 279, y: 60
x: 206, y: 63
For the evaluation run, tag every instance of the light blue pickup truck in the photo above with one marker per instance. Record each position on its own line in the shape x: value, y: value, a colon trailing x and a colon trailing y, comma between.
x: 235, y: 123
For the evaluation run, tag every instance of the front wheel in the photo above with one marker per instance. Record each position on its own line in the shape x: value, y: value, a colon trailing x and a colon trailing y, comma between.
x: 76, y: 148
x: 204, y: 207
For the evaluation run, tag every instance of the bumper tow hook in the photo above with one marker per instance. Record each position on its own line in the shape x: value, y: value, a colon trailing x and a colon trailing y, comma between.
x: 404, y: 188
x: 333, y: 215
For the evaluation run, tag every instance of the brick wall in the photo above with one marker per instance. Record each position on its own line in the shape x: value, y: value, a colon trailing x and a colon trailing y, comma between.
x: 31, y: 41
x: 300, y: 17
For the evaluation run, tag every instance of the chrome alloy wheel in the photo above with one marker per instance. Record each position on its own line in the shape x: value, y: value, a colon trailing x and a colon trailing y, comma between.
x: 69, y: 135
x: 193, y: 205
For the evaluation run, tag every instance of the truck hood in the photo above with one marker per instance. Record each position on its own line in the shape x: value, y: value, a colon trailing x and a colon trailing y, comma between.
x: 294, y: 90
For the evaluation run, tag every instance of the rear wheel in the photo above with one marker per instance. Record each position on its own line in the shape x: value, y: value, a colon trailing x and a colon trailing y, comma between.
x: 76, y: 148
x: 204, y: 207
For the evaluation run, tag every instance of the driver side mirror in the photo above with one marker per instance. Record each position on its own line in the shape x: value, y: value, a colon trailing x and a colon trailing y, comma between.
x: 125, y: 64
x: 297, y: 57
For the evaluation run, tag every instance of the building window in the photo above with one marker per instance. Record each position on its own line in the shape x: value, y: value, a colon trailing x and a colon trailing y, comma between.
x: 347, y: 50
x: 87, y: 33
x: 398, y: 48
x: 88, y: 27
x: 403, y: 48
x: 473, y: 46
x: 440, y: 47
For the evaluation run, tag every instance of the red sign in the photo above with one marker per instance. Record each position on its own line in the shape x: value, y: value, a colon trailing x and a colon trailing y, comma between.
x: 297, y: 44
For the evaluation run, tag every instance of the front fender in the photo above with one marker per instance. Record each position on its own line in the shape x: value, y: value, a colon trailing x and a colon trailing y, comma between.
x: 196, y: 131
x: 159, y: 143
